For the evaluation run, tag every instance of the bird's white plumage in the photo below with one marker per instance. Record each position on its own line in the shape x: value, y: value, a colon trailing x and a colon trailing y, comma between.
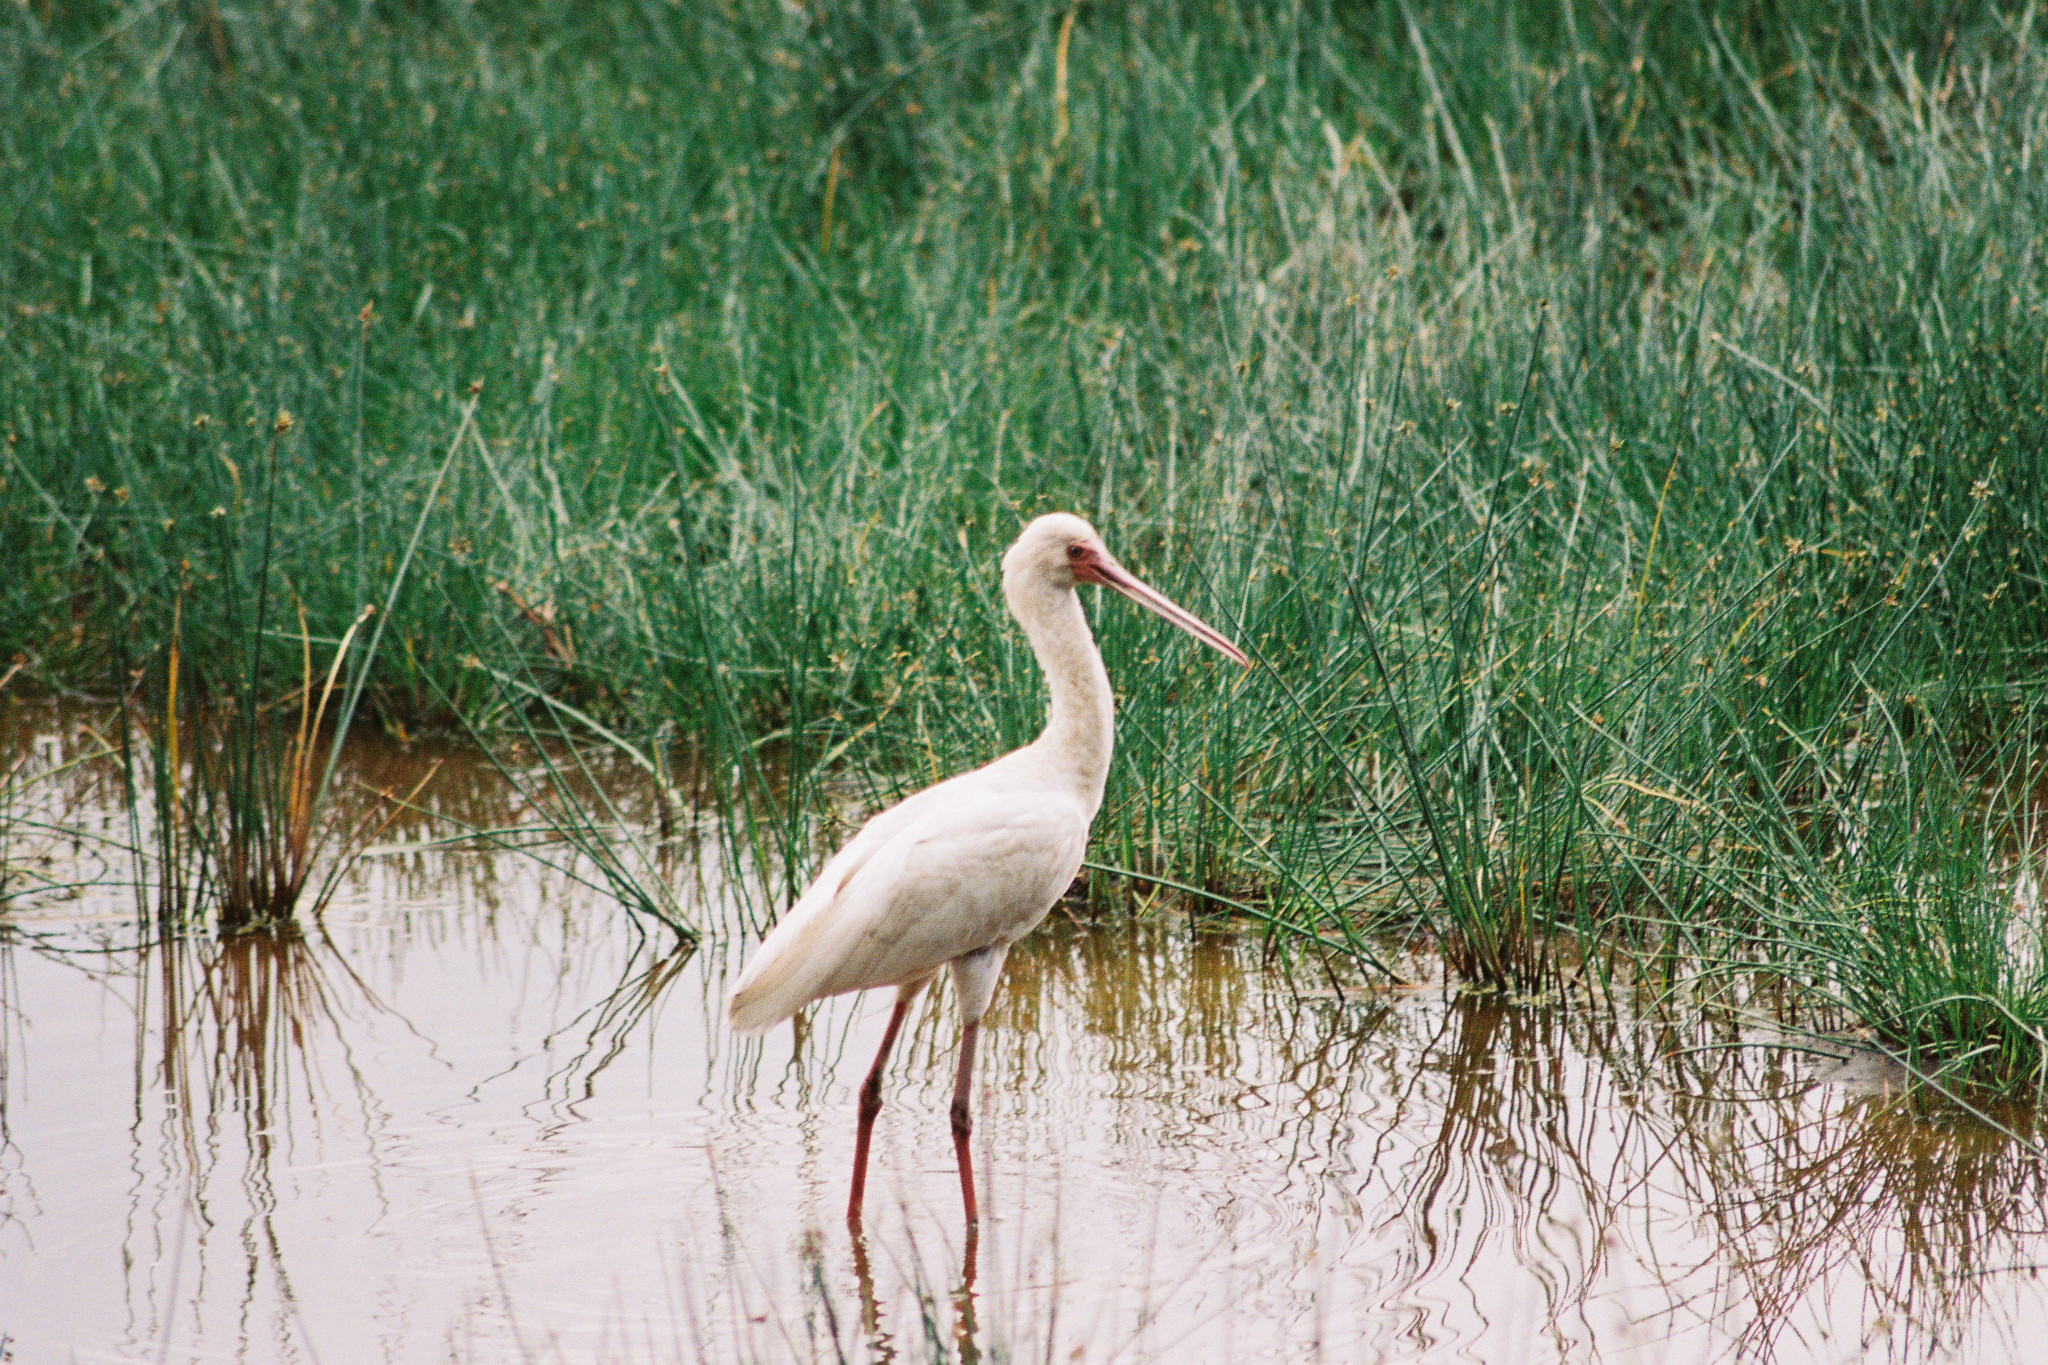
x: 955, y: 874
x: 973, y: 863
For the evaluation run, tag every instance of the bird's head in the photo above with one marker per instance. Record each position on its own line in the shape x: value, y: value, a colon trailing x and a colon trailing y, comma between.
x: 1060, y: 551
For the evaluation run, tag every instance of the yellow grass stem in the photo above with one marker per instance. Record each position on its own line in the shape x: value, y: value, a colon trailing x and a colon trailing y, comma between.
x: 1650, y: 551
x: 1059, y: 80
x: 334, y: 669
x: 171, y: 701
x: 831, y: 189
x: 295, y: 812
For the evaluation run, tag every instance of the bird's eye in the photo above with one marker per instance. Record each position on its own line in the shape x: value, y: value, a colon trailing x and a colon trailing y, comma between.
x: 1076, y: 551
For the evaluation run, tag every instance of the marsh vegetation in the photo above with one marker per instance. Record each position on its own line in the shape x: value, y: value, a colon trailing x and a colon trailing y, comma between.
x: 1618, y: 431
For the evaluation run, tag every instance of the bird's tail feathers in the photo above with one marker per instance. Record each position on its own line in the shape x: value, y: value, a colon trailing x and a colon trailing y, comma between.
x: 777, y: 982
x: 754, y: 1012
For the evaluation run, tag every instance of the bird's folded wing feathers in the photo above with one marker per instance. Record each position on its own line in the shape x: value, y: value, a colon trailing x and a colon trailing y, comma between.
x: 915, y: 889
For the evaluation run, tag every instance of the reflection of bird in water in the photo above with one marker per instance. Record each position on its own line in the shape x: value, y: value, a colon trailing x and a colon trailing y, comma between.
x: 954, y: 875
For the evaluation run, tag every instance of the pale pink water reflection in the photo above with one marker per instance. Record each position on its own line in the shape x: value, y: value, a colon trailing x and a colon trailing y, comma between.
x: 479, y: 1116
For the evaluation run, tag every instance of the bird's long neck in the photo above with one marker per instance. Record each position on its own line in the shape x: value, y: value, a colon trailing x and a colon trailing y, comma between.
x: 1080, y: 727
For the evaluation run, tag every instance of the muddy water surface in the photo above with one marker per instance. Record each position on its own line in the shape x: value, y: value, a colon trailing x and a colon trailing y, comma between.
x: 477, y: 1114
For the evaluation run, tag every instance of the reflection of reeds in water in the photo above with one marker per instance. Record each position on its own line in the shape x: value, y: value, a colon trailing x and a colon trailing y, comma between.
x: 605, y: 1030
x: 49, y: 844
x: 1798, y: 1190
x: 1925, y: 1208
x: 12, y: 1037
x: 1718, y: 1189
x: 1514, y: 1152
x: 728, y: 1313
x: 228, y: 1034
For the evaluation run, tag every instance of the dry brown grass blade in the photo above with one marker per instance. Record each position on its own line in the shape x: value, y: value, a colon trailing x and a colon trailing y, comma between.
x: 361, y: 837
x: 544, y: 620
x: 831, y: 192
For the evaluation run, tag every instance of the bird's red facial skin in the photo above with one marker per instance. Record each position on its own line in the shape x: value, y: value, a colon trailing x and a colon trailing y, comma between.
x: 1086, y: 563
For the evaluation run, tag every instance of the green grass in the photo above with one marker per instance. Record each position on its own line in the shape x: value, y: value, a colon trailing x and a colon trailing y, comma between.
x: 1618, y: 430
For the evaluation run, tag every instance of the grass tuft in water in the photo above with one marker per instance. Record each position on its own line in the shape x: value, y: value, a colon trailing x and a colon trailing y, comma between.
x: 238, y: 767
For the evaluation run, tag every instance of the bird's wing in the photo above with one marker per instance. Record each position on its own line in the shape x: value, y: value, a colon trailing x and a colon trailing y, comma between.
x: 958, y: 868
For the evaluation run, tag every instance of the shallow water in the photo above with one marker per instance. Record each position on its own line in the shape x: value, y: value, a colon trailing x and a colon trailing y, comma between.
x: 476, y: 1114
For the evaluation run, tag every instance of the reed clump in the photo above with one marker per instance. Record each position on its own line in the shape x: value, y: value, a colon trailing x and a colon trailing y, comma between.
x: 240, y: 821
x: 228, y: 771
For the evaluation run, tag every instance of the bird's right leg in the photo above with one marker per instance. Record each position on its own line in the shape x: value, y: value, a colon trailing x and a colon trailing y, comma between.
x: 974, y: 979
x: 871, y: 1102
x: 963, y: 1130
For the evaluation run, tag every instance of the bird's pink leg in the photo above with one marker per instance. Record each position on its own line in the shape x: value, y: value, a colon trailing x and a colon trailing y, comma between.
x: 963, y: 1124
x: 871, y: 1105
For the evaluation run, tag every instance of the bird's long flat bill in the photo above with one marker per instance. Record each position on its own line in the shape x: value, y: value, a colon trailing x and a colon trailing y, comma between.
x: 1106, y: 571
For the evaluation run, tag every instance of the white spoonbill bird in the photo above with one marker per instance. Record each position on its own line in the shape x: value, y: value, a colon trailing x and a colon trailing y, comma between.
x: 954, y: 875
